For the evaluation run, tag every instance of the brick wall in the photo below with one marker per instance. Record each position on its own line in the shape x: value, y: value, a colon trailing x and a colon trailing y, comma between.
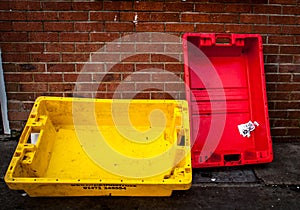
x: 46, y: 44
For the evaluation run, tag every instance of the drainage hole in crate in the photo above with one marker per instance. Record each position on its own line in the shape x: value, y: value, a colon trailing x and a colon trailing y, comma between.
x: 78, y: 180
x: 142, y: 180
x: 57, y: 180
x: 231, y: 158
x: 121, y: 180
x: 34, y: 179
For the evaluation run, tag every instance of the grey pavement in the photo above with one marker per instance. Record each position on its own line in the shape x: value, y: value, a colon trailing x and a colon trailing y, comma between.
x: 269, y: 186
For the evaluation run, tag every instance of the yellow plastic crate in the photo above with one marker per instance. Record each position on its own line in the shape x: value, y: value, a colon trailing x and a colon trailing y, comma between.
x: 97, y: 147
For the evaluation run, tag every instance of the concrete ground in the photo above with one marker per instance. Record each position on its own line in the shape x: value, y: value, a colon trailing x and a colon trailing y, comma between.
x: 271, y: 186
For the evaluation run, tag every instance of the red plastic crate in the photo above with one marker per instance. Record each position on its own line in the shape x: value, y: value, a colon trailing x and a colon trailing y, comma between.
x: 225, y: 88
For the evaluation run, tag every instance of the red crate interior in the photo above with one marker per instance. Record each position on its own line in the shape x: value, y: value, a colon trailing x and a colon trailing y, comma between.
x: 238, y: 97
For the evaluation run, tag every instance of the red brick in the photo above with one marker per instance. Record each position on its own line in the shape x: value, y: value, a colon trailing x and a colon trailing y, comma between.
x: 119, y: 5
x: 112, y: 16
x: 105, y: 57
x: 104, y: 37
x: 27, y: 26
x: 270, y: 49
x: 123, y: 47
x: 289, y: 49
x: 113, y: 26
x: 240, y: 8
x: 130, y: 16
x: 290, y: 29
x: 151, y: 27
x: 75, y: 57
x: 279, y: 59
x: 42, y: 15
x: 224, y: 18
x: 278, y: 131
x: 161, y: 95
x: 149, y: 47
x: 164, y: 17
x: 107, y: 77
x: 162, y: 58
x: 18, y: 115
x: 293, y: 132
x: 48, y: 77
x: 266, y: 29
x: 13, y: 37
x: 174, y: 67
x: 285, y: 123
x: 58, y: 87
x: 30, y: 67
x: 87, y: 26
x: 297, y: 59
x: 56, y: 6
x: 158, y: 37
x: 34, y: 87
x: 73, y: 37
x: 20, y: 96
x: 125, y: 86
x: 149, y: 86
x: 135, y: 95
x: 78, y: 77
x: 4, y: 5
x: 174, y: 86
x: 179, y: 27
x: 238, y: 28
x: 60, y: 67
x: 288, y: 87
x: 296, y: 78
x: 277, y: 114
x: 284, y: 20
x: 295, y: 96
x: 43, y: 37
x: 148, y: 66
x: 14, y: 106
x: 137, y: 77
x: 296, y: 39
x: 59, y: 26
x: 266, y: 9
x: 87, y: 6
x: 209, y: 8
x: 292, y: 10
x: 283, y: 2
x: 136, y: 57
x: 60, y: 47
x: 22, y: 47
x: 293, y: 114
x: 120, y: 67
x: 163, y: 77
x: 287, y: 105
x: 148, y: 6
x: 15, y: 57
x: 195, y: 17
x: 12, y: 16
x: 278, y: 96
x: 251, y: 18
x: 45, y: 57
x: 89, y: 47
x: 289, y: 68
x: 280, y: 39
x: 210, y: 28
x: 181, y: 7
x: 173, y: 48
x: 6, y: 26
x: 271, y: 68
x: 90, y: 67
x: 25, y: 5
x: 73, y: 16
x: 18, y: 77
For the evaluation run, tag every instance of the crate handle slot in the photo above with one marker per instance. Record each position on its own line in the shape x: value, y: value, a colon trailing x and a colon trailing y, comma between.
x: 223, y: 39
x: 232, y: 158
